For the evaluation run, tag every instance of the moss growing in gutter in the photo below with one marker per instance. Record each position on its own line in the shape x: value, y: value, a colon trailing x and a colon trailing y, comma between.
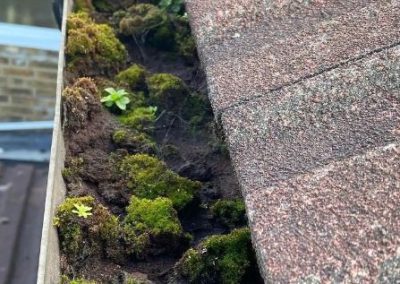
x: 218, y: 259
x: 152, y: 226
x: 150, y: 178
x: 91, y: 44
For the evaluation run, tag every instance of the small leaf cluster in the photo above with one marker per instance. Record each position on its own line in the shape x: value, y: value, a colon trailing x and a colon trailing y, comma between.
x: 82, y: 210
x: 116, y: 97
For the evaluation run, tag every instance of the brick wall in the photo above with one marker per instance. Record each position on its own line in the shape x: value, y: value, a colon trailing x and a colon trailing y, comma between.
x: 27, y: 83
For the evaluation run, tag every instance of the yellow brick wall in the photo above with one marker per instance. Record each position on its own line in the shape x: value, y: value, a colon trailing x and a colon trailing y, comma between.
x: 27, y: 83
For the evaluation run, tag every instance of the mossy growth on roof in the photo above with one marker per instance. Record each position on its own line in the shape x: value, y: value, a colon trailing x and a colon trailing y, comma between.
x: 133, y: 77
x: 91, y: 44
x: 134, y: 141
x: 139, y: 119
x: 95, y: 232
x: 73, y: 167
x: 66, y: 280
x: 83, y: 6
x: 140, y: 19
x: 219, y: 259
x: 167, y: 91
x: 231, y: 213
x: 153, y: 225
x: 148, y: 177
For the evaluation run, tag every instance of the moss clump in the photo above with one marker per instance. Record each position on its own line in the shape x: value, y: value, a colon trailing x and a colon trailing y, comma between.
x: 140, y: 19
x: 83, y: 6
x: 185, y: 43
x: 134, y: 280
x: 140, y: 119
x: 231, y: 213
x: 134, y: 141
x: 167, y: 91
x: 197, y: 110
x: 219, y: 259
x: 71, y: 233
x: 66, y: 280
x: 73, y: 167
x: 134, y: 77
x: 187, y: 47
x: 81, y: 102
x: 82, y: 237
x: 91, y: 44
x: 151, y: 225
x: 150, y: 178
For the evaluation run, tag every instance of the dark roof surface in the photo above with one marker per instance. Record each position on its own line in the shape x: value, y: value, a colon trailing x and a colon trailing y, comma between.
x: 22, y: 195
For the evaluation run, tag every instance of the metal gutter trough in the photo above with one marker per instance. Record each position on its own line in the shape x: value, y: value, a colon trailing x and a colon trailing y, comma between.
x: 49, y: 260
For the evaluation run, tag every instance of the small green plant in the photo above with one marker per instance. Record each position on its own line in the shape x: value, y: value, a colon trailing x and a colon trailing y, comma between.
x: 82, y: 210
x: 116, y: 97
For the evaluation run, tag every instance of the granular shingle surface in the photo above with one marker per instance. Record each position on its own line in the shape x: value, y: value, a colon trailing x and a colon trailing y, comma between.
x: 308, y: 93
x: 280, y: 51
x: 338, y: 223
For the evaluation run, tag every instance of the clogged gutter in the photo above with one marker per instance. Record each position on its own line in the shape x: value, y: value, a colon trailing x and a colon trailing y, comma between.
x: 151, y: 195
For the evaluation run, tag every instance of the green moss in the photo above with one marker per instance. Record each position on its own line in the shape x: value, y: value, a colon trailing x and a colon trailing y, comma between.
x: 169, y: 151
x: 152, y: 223
x: 120, y: 136
x: 156, y: 216
x: 140, y: 19
x: 70, y: 229
x: 150, y: 178
x: 219, y: 259
x: 187, y: 47
x: 231, y: 213
x: 167, y: 91
x: 109, y: 6
x: 91, y: 44
x: 81, y: 237
x: 134, y: 77
x: 134, y: 141
x: 66, y: 280
x: 132, y: 280
x: 83, y: 6
x: 73, y: 168
x: 141, y: 118
x: 184, y: 41
x: 197, y: 110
